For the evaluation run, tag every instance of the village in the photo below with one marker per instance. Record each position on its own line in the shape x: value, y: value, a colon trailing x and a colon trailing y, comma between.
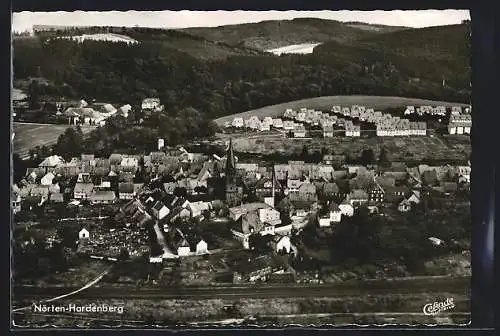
x: 173, y: 208
x: 357, y: 120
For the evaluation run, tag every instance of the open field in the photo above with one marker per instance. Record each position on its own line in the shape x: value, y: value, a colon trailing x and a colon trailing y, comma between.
x: 451, y: 148
x: 30, y: 135
x: 326, y: 103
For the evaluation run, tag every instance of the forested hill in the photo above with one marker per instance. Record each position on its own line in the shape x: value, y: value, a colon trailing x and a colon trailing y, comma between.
x: 268, y: 35
x: 426, y: 55
x: 168, y: 39
x: 389, y: 64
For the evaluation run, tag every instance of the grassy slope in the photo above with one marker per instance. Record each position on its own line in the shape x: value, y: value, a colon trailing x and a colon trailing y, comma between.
x: 326, y: 103
x: 28, y: 136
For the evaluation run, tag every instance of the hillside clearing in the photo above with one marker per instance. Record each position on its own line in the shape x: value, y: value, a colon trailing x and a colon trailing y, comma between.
x: 304, y: 48
x: 326, y: 103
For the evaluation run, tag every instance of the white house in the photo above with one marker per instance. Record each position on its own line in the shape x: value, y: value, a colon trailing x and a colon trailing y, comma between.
x: 160, y: 210
x: 436, y: 241
x: 415, y: 197
x: 156, y: 260
x: 150, y: 103
x: 16, y: 202
x: 264, y: 127
x: 334, y: 215
x: 299, y: 132
x: 130, y: 162
x: 464, y: 173
x: 197, y: 208
x: 346, y: 208
x: 125, y: 110
x: 277, y: 123
x: 47, y: 179
x: 238, y: 122
x: 201, y: 247
x: 269, y: 215
x: 183, y: 250
x: 288, y: 125
x: 404, y: 206
x: 283, y: 243
x: 84, y: 234
x: 301, y: 116
x: 268, y: 121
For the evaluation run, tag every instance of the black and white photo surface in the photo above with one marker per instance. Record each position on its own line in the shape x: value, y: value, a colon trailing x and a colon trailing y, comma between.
x: 193, y: 169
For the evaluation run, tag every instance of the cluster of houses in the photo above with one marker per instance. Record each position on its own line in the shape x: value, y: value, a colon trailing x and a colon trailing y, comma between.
x: 255, y: 124
x: 297, y: 122
x: 83, y: 113
x: 342, y: 120
x: 426, y: 110
x: 272, y: 201
x: 460, y: 123
x: 460, y: 120
x: 385, y: 124
x: 306, y: 189
x: 94, y: 113
x: 434, y: 110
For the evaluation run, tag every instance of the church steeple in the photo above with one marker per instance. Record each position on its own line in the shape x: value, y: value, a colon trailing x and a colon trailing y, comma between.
x: 273, y: 178
x: 230, y: 161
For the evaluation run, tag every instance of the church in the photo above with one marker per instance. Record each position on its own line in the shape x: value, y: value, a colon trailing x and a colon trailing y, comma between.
x: 234, y: 190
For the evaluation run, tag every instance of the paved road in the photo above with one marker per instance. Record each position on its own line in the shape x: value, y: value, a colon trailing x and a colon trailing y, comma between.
x: 446, y: 285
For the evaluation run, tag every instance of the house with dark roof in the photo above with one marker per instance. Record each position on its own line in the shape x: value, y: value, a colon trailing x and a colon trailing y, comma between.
x: 376, y: 193
x: 429, y: 178
x: 396, y: 194
x: 56, y: 197
x: 115, y: 159
x: 264, y: 188
x: 257, y: 269
x: 125, y: 176
x: 177, y: 242
x: 358, y: 197
x: 126, y: 190
x: 159, y: 210
x: 306, y: 192
x: 330, y: 190
x: 449, y: 187
x: 334, y: 160
x: 83, y: 190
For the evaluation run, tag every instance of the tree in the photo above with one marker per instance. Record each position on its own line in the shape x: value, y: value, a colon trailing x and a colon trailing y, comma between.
x: 70, y: 143
x: 367, y: 156
x: 305, y: 153
x: 383, y: 159
x: 124, y: 254
x: 34, y: 95
x: 19, y: 167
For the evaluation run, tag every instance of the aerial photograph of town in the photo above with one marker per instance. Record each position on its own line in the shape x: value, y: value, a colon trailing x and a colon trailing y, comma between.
x: 240, y: 169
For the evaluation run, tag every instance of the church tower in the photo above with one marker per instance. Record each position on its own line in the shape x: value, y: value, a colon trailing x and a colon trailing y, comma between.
x: 234, y: 192
x: 230, y: 163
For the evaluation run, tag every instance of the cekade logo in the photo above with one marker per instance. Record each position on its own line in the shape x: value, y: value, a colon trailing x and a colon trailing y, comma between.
x: 437, y: 307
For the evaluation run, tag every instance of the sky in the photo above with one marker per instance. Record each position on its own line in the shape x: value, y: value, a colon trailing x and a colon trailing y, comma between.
x: 24, y: 21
